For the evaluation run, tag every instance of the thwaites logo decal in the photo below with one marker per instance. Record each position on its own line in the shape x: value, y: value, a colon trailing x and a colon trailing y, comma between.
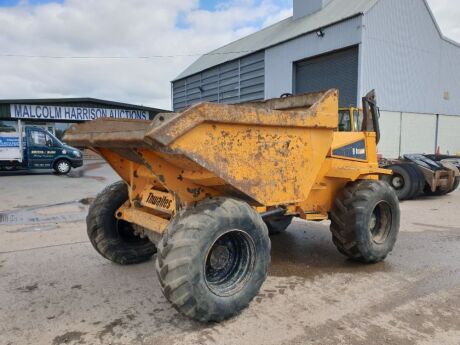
x: 159, y: 201
x: 356, y: 150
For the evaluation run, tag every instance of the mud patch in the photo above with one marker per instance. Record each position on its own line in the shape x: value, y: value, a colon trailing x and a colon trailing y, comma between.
x: 28, y: 288
x: 33, y: 229
x: 81, y: 173
x: 51, y: 213
x: 86, y: 201
x: 109, y: 329
x: 433, y: 226
x: 69, y: 338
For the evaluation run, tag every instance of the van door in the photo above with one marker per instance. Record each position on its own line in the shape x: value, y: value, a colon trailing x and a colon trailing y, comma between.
x: 41, y: 149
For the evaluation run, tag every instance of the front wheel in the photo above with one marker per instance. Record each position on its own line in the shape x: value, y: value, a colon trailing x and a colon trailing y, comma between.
x: 116, y: 240
x: 365, y: 221
x: 62, y: 167
x: 213, y: 259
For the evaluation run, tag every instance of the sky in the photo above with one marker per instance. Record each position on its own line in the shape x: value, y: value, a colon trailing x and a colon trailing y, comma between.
x: 177, y: 31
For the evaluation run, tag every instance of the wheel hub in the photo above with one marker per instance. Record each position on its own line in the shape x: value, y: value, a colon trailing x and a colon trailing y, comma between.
x: 397, y: 182
x: 229, y: 263
x: 380, y: 223
x: 63, y: 167
x: 373, y: 222
x: 219, y: 258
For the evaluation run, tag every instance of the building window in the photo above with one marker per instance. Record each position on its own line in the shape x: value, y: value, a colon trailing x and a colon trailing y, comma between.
x: 8, y: 126
x: 60, y: 128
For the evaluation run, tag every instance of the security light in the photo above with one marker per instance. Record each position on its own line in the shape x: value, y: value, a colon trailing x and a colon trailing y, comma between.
x: 320, y: 33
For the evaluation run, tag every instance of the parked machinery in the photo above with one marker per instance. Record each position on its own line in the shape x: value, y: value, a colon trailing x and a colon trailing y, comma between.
x: 416, y: 174
x: 413, y: 175
x: 204, y: 187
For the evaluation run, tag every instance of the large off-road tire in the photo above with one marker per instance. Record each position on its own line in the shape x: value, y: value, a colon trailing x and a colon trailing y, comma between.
x: 365, y: 221
x: 405, y: 181
x: 213, y: 259
x: 115, y: 239
x: 278, y: 225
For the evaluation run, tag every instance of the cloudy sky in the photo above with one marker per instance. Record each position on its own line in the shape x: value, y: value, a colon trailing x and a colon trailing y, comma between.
x: 175, y: 30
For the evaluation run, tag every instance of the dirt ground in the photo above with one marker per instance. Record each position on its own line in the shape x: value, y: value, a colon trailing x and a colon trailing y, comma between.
x: 55, y: 289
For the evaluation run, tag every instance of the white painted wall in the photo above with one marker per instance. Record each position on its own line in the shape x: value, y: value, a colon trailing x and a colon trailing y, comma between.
x: 405, y: 133
x: 390, y: 130
x: 418, y: 133
x: 449, y: 134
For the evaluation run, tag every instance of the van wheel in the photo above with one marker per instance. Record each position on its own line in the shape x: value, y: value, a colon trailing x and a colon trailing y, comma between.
x: 213, y: 259
x: 62, y: 167
x: 365, y: 221
x: 115, y: 239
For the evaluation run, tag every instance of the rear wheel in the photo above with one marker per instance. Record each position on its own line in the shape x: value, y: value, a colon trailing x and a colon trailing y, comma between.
x: 115, y: 239
x: 213, y: 259
x: 365, y: 221
x: 62, y: 167
x: 278, y: 225
x: 418, y: 180
x: 404, y: 181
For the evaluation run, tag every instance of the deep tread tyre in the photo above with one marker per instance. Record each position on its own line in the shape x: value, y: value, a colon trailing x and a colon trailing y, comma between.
x: 365, y: 221
x: 278, y: 225
x: 418, y: 181
x: 201, y: 284
x: 62, y: 167
x: 113, y: 239
x: 404, y: 180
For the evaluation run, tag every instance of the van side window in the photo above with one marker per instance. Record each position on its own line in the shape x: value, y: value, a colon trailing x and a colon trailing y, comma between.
x: 38, y: 138
x: 49, y: 141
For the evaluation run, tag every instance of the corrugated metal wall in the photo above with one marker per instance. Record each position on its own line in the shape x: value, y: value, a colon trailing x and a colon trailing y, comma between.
x: 233, y: 82
x: 405, y: 59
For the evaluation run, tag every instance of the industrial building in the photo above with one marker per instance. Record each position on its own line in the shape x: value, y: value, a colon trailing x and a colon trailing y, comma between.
x: 395, y: 47
x: 57, y: 115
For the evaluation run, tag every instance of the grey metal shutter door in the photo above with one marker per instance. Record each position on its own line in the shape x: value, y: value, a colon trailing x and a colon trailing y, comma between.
x: 336, y: 70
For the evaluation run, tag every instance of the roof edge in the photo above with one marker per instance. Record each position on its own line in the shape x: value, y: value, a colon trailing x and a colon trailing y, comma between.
x: 179, y: 77
x: 441, y: 34
x: 76, y: 100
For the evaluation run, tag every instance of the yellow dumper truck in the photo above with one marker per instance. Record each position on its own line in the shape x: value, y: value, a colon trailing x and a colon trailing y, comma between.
x: 204, y: 188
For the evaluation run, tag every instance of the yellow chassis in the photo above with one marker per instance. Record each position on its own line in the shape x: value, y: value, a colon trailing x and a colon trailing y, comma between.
x: 278, y: 153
